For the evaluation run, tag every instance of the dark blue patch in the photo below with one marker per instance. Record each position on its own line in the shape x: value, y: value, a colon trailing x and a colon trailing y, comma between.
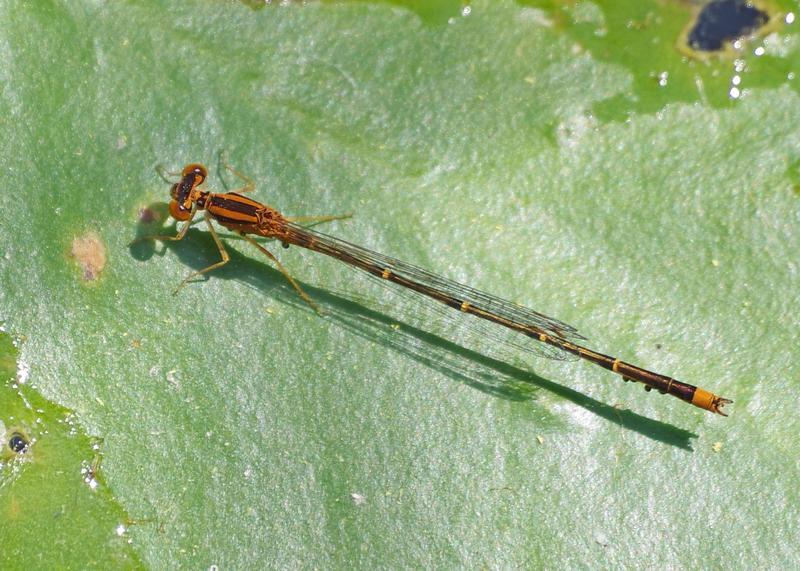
x: 17, y: 442
x: 722, y: 21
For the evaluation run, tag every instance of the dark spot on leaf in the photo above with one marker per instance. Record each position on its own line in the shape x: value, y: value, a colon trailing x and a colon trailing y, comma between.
x: 147, y: 215
x: 17, y: 442
x: 721, y: 21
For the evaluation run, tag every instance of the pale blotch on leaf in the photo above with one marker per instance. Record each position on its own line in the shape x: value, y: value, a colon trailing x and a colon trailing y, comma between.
x: 89, y: 253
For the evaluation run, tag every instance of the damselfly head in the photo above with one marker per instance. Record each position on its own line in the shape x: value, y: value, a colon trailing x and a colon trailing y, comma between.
x: 178, y: 211
x: 195, y: 171
x: 183, y: 192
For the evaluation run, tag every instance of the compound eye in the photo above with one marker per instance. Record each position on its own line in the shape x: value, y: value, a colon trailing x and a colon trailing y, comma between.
x: 199, y: 171
x: 178, y: 212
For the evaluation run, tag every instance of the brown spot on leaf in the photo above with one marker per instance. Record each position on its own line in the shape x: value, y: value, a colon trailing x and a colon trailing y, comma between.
x: 89, y: 253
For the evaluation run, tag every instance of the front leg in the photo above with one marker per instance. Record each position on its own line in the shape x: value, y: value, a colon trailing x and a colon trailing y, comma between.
x: 222, y: 252
x: 178, y: 236
x: 249, y: 183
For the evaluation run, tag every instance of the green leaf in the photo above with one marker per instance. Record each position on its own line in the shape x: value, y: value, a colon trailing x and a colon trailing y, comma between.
x: 55, y: 510
x: 529, y: 150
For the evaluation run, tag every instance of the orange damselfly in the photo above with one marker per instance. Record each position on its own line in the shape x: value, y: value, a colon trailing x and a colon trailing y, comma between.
x: 245, y: 216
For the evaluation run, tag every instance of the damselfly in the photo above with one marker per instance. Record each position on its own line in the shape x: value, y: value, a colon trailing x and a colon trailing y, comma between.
x: 245, y: 216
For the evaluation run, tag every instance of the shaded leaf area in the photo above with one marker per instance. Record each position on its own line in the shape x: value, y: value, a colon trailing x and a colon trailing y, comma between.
x: 55, y: 512
x: 412, y: 337
x: 243, y: 430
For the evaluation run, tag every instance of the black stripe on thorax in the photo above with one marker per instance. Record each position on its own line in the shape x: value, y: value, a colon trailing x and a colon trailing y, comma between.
x: 233, y: 208
x: 234, y: 203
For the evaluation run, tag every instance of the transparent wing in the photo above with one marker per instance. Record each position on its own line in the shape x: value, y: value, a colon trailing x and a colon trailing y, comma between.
x: 426, y: 314
x: 376, y: 264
